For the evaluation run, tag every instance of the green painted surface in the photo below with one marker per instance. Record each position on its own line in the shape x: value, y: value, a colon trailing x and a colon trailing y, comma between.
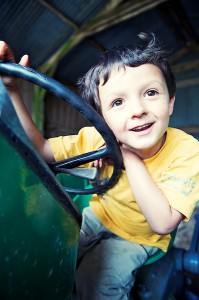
x: 38, y: 238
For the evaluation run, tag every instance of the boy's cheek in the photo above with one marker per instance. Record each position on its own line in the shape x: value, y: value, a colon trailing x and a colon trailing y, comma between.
x: 162, y: 112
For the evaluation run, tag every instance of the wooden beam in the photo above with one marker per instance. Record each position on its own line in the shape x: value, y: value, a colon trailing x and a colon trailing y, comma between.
x: 183, y: 52
x: 185, y: 66
x: 120, y: 14
x: 76, y: 29
x: 59, y: 14
x: 187, y: 83
x: 176, y: 20
x: 100, y: 22
x: 190, y: 129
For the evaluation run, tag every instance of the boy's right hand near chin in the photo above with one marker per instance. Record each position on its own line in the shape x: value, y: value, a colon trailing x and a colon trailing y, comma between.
x: 7, y: 55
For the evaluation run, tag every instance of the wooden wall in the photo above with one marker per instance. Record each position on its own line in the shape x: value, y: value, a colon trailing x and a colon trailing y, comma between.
x: 61, y: 118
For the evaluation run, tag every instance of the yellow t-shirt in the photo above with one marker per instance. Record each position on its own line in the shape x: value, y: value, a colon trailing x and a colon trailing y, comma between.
x: 175, y: 169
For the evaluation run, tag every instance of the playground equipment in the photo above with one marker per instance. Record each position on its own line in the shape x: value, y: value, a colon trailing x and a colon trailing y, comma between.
x: 39, y: 222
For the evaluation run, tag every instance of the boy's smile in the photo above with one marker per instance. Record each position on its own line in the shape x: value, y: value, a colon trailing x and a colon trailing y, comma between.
x: 135, y: 104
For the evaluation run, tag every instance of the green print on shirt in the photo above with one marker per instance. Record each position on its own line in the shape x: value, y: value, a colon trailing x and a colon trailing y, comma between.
x: 184, y: 185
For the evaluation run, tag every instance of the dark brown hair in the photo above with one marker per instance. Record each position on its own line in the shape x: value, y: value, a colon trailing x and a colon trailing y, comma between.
x: 148, y: 50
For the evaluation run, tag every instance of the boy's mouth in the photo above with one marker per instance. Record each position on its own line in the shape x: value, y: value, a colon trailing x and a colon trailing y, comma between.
x: 142, y: 127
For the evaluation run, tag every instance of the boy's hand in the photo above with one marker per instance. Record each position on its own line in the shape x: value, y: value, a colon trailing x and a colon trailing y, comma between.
x: 6, y: 55
x: 102, y: 161
x: 129, y: 156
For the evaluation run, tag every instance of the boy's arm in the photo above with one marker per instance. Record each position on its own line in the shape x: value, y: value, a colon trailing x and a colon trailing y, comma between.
x: 41, y: 144
x: 161, y: 217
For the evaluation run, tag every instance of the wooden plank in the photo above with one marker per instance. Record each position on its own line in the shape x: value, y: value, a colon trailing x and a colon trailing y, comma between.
x: 187, y: 83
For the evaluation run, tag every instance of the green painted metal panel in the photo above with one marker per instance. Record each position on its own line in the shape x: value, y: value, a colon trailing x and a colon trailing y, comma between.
x: 38, y: 240
x: 39, y: 225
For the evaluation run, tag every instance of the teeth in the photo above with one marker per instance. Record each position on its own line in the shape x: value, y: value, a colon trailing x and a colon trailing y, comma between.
x: 144, y: 127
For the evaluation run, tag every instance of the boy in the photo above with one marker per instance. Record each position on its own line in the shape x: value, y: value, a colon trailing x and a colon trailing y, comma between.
x: 133, y: 89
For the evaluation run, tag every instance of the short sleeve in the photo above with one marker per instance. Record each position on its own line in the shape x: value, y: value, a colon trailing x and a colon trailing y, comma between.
x: 88, y: 139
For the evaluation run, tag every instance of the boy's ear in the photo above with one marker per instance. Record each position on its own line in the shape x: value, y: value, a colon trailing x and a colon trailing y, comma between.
x: 171, y: 105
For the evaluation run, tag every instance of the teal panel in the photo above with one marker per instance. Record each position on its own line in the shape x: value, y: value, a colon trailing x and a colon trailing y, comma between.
x: 81, y: 201
x: 38, y: 237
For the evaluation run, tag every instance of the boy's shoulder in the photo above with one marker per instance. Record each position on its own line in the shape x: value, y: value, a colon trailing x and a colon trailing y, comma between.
x: 180, y: 149
x: 178, y: 134
x: 90, y: 131
x: 177, y: 138
x: 91, y: 134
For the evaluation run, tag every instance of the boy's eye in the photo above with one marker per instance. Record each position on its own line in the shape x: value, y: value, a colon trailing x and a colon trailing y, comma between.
x: 117, y: 102
x: 151, y: 93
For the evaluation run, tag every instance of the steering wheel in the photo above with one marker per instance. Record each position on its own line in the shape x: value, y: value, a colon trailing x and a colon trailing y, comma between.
x: 111, y: 150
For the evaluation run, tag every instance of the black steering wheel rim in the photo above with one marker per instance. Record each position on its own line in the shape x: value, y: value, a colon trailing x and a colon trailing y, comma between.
x: 111, y: 149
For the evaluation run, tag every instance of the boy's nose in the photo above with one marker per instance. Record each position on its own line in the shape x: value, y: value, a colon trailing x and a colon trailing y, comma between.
x: 137, y: 109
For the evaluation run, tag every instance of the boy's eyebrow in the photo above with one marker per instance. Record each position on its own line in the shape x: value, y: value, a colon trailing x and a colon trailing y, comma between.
x: 155, y: 81
x: 144, y: 85
x: 114, y: 94
x: 119, y: 92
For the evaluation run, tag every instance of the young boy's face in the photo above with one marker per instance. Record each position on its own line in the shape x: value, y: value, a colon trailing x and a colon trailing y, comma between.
x: 136, y: 106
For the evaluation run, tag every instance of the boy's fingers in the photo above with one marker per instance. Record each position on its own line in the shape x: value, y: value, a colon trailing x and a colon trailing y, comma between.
x: 102, y: 162
x: 98, y: 163
x: 24, y: 61
x: 95, y: 163
x: 6, y: 53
